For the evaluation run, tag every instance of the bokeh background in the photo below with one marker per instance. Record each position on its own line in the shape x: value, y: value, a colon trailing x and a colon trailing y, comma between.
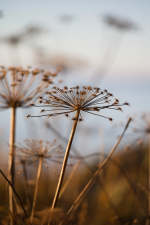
x: 97, y: 43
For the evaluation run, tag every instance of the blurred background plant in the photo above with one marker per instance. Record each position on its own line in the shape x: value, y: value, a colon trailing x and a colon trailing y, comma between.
x: 120, y: 26
x: 24, y: 37
x: 18, y: 87
x: 37, y: 150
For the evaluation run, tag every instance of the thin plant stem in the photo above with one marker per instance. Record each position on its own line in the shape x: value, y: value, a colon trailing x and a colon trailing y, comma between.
x: 60, y: 136
x: 15, y: 194
x: 63, y: 169
x: 149, y: 182
x: 96, y: 175
x: 11, y: 163
x: 64, y: 139
x: 69, y: 178
x: 36, y: 188
x: 100, y: 182
x: 148, y: 218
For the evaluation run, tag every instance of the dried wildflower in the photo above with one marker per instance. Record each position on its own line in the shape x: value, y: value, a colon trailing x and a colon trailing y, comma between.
x: 26, y: 34
x: 120, y: 26
x: 37, y: 150
x: 33, y: 150
x: 65, y: 101
x: 18, y: 87
x: 140, y: 127
x: 87, y: 99
x: 119, y: 23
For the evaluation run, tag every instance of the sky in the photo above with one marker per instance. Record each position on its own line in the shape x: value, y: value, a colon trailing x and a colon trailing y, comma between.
x: 110, y: 59
x: 86, y: 37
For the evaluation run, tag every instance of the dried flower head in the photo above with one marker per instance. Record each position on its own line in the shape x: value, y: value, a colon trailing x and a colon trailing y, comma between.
x: 143, y: 123
x: 18, y: 87
x: 87, y: 99
x: 33, y: 150
x: 140, y: 127
x: 119, y: 23
x: 22, y: 36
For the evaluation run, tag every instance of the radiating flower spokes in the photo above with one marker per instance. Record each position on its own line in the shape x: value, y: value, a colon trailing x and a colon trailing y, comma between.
x: 33, y: 150
x: 140, y: 127
x: 121, y: 24
x: 18, y: 86
x: 87, y: 99
x: 138, y: 131
x: 41, y: 151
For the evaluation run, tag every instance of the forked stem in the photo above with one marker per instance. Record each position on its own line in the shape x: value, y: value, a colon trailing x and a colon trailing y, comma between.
x: 36, y: 188
x: 65, y: 160
x: 11, y: 162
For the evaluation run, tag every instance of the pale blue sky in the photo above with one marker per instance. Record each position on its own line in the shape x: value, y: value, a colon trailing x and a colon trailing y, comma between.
x: 87, y: 36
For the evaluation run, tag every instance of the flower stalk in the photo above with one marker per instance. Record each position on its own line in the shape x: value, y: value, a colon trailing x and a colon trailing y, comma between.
x: 65, y: 160
x: 149, y: 180
x: 11, y: 163
x: 148, y: 218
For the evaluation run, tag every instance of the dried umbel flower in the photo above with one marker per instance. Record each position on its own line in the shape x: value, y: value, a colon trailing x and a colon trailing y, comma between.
x: 18, y: 86
x: 87, y: 99
x: 33, y: 150
x: 142, y: 124
x: 119, y: 23
x: 140, y: 127
x: 22, y: 36
x: 65, y: 101
x: 41, y: 151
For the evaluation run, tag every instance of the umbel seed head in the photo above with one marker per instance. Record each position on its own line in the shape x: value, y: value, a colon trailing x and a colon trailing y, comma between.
x: 32, y: 150
x: 18, y: 86
x: 87, y: 99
